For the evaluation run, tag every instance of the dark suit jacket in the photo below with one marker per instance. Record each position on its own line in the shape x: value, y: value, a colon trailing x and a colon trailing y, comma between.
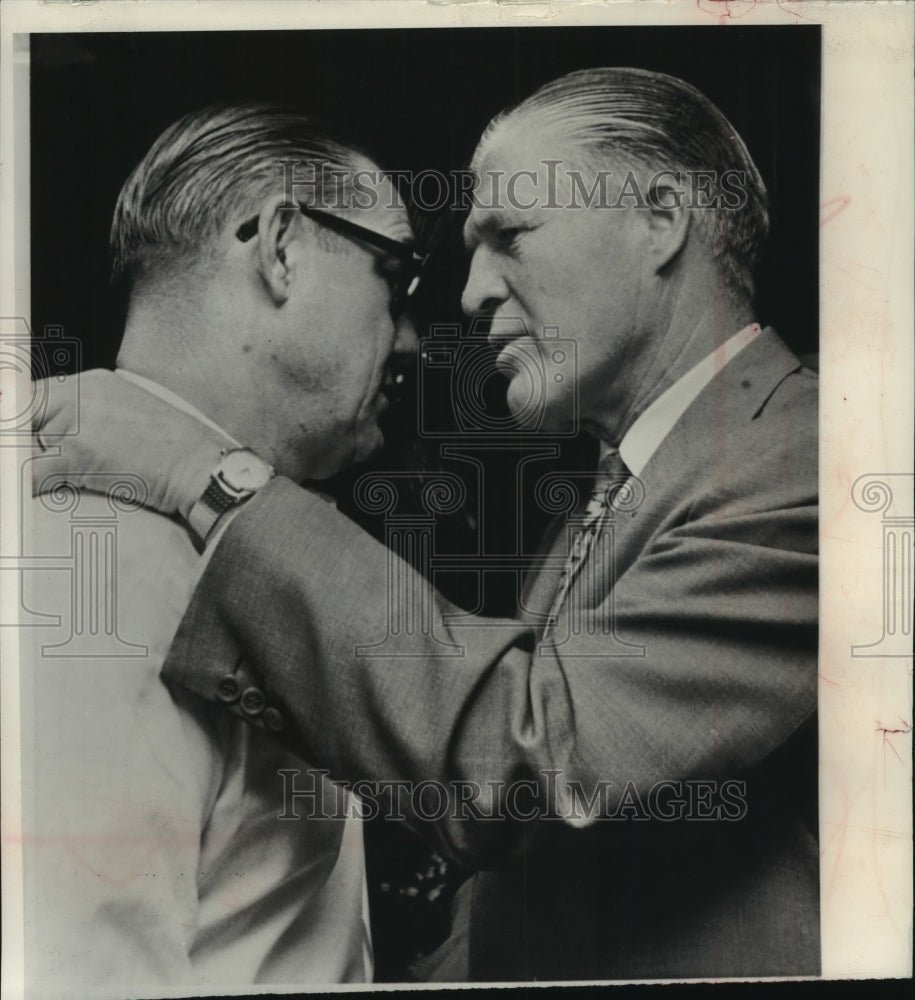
x: 712, y: 581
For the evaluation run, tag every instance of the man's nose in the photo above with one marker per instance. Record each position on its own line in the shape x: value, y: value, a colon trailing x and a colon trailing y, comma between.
x: 485, y: 288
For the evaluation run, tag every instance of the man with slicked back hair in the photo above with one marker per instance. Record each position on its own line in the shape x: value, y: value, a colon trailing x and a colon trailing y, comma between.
x: 160, y: 852
x: 644, y: 733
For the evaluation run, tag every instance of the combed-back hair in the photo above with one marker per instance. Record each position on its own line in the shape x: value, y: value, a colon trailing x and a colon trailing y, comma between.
x: 209, y: 166
x: 635, y: 118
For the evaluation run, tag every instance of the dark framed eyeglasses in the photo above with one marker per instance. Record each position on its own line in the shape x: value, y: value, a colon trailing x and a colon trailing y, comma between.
x: 411, y: 263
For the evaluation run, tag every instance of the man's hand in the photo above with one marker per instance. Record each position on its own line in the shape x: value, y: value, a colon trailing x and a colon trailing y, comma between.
x: 123, y: 429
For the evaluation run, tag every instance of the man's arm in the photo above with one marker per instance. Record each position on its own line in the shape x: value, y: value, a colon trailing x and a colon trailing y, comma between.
x: 724, y: 606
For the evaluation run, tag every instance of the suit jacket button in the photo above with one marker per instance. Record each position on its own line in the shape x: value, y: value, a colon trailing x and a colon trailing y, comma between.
x: 273, y: 720
x: 252, y: 701
x: 228, y: 688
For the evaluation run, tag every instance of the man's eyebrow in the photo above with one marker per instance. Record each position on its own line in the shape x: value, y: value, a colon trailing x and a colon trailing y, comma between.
x: 476, y: 229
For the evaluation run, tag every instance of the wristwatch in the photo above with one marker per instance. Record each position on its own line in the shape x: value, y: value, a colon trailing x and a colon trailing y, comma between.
x: 238, y: 476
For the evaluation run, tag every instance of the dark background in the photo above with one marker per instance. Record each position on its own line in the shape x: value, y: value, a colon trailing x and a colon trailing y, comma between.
x: 416, y: 99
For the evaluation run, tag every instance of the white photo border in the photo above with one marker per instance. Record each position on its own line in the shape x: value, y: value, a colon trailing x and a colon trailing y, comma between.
x: 866, y: 420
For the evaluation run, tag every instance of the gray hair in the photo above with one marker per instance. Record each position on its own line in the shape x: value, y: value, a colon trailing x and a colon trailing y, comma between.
x: 650, y: 120
x: 208, y: 166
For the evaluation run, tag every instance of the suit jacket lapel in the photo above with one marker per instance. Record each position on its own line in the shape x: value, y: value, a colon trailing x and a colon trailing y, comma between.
x: 732, y: 397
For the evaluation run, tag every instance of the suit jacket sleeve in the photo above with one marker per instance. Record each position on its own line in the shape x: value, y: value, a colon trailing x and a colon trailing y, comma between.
x: 719, y: 593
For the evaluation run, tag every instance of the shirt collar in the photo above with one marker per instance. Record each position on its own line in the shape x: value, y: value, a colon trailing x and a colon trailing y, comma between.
x: 175, y: 400
x: 646, y: 434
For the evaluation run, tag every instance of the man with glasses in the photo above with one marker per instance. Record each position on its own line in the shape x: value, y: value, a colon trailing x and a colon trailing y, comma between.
x: 155, y: 853
x: 632, y: 767
x: 406, y: 264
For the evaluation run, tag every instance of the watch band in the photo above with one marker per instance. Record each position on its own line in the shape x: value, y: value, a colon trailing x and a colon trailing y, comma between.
x: 223, y: 494
x: 208, y: 510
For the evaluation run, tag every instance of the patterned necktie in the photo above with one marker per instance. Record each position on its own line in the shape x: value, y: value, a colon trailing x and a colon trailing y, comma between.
x: 611, y: 474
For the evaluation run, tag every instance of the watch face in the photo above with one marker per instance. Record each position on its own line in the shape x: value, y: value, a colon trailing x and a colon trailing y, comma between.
x: 243, y: 470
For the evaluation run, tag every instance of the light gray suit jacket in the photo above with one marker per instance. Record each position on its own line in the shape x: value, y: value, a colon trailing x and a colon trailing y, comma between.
x: 713, y: 583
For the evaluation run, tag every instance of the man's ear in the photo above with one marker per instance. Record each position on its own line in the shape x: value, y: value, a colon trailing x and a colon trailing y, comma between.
x: 668, y: 222
x: 275, y: 230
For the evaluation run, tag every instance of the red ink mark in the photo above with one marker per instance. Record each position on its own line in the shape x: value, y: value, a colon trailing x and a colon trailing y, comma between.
x: 887, y: 733
x: 714, y: 7
x: 744, y: 7
x: 830, y: 209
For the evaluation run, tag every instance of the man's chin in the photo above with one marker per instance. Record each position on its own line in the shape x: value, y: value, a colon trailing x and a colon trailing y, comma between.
x: 530, y: 413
